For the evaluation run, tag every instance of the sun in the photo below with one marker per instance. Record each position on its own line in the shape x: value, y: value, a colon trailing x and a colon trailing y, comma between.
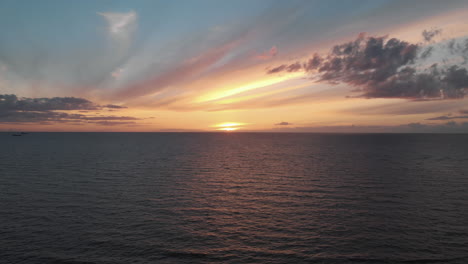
x: 227, y: 129
x: 229, y: 126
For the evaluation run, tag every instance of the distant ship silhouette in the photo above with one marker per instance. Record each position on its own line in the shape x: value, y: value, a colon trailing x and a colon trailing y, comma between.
x: 19, y: 134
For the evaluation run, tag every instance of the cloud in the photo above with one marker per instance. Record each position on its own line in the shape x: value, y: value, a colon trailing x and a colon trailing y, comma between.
x: 445, y: 117
x: 120, y: 24
x: 459, y: 47
x: 463, y: 111
x: 268, y: 54
x: 108, y: 123
x: 54, y: 110
x: 294, y: 67
x: 448, y: 127
x: 116, y: 74
x: 380, y: 67
x: 59, y: 117
x: 287, y: 68
x: 107, y: 118
x: 277, y: 69
x: 402, y: 107
x: 440, y: 118
x: 114, y: 106
x: 190, y: 69
x: 428, y: 35
x: 120, y: 31
x: 10, y: 102
x: 283, y: 124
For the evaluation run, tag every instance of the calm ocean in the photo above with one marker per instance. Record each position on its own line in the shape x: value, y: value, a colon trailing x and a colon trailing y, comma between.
x: 233, y: 198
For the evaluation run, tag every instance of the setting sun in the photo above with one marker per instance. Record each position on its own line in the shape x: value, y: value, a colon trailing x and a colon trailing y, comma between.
x: 229, y: 126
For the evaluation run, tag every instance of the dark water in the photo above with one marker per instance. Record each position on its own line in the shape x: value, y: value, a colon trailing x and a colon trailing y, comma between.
x: 233, y: 198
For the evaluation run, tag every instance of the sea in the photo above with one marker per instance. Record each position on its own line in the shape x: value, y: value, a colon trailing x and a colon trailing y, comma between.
x: 233, y: 198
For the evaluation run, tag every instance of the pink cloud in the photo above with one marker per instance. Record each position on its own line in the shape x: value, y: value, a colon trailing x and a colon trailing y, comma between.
x: 267, y: 54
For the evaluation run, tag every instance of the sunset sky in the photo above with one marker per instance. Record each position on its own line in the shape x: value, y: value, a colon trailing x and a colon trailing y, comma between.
x: 286, y: 66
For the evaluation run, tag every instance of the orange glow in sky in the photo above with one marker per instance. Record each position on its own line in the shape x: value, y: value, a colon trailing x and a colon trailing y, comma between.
x: 283, y: 75
x: 229, y: 126
x: 228, y: 129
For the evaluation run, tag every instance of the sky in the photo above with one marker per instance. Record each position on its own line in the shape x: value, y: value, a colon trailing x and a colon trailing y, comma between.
x: 272, y: 66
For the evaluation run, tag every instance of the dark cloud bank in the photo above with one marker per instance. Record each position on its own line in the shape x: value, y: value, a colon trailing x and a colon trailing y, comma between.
x: 379, y: 67
x: 54, y: 110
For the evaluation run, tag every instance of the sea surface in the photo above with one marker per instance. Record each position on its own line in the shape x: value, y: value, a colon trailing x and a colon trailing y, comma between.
x: 233, y: 198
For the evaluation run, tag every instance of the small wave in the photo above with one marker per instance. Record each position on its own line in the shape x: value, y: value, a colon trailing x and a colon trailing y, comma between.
x: 185, y: 254
x: 442, y: 260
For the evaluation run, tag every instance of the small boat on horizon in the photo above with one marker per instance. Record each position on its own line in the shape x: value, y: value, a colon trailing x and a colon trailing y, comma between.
x: 19, y: 134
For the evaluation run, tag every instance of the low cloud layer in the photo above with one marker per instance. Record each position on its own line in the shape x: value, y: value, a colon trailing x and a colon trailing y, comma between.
x: 379, y: 67
x: 10, y: 102
x: 448, y: 127
x: 283, y: 124
x: 448, y: 117
x: 55, y: 110
x: 115, y: 106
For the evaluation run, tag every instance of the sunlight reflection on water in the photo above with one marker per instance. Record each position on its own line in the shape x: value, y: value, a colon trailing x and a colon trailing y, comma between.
x: 233, y: 198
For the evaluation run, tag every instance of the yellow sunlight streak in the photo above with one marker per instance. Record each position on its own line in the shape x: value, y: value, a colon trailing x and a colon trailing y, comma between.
x: 248, y: 97
x: 228, y: 128
x: 221, y: 94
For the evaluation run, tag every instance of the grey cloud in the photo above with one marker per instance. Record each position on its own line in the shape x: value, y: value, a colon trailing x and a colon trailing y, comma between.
x: 448, y: 127
x: 459, y: 47
x: 283, y: 124
x: 313, y: 63
x: 463, y: 111
x: 445, y: 117
x: 385, y: 68
x: 277, y: 69
x: 297, y: 66
x: 11, y: 102
x: 58, y: 117
x: 440, y: 118
x: 427, y: 52
x: 415, y: 125
x: 428, y: 35
x: 53, y: 110
x: 114, y: 106
x: 294, y: 67
x: 434, y: 107
x: 109, y: 123
x: 34, y: 116
x: 109, y: 118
